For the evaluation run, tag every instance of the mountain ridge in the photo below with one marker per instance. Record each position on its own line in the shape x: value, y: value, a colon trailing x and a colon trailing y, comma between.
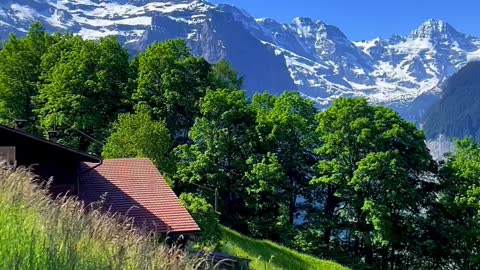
x: 307, y: 55
x: 455, y: 113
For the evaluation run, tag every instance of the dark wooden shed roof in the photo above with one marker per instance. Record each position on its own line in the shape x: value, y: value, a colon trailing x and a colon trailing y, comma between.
x: 135, y: 188
x: 10, y: 136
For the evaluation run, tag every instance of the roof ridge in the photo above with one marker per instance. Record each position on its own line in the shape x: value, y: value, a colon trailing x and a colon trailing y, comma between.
x: 56, y: 144
x: 113, y: 159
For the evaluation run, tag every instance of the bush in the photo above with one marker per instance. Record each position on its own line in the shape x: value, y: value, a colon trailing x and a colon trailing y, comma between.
x: 206, y: 218
x: 308, y: 241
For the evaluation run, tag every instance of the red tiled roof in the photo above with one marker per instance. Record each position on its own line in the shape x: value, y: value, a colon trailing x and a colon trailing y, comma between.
x: 134, y: 187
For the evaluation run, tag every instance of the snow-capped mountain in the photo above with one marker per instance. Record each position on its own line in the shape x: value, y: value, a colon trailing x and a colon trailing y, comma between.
x: 394, y: 71
x: 313, y: 57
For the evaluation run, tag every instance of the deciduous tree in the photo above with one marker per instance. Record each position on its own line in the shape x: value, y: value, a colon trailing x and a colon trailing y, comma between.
x: 20, y: 73
x: 83, y: 89
x: 286, y: 127
x: 138, y: 136
x: 373, y: 172
x: 223, y: 140
x: 171, y: 82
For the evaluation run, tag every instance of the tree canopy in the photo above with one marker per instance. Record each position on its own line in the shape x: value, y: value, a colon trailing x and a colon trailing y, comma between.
x: 171, y: 82
x: 137, y: 135
x: 20, y: 61
x: 82, y: 88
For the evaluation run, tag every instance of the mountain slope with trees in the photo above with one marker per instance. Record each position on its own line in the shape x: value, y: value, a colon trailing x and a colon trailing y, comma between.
x: 455, y: 115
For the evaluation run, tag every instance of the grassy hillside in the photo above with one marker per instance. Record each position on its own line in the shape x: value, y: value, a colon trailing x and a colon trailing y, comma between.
x: 266, y: 255
x: 37, y: 233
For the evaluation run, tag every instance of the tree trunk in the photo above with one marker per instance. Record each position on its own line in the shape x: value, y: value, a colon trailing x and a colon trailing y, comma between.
x: 393, y: 259
x: 292, y: 208
x: 385, y: 258
x: 83, y: 143
x: 368, y: 250
x: 330, y: 205
x: 293, y: 201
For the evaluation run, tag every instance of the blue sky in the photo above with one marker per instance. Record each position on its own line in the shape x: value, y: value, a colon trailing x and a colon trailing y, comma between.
x: 367, y: 19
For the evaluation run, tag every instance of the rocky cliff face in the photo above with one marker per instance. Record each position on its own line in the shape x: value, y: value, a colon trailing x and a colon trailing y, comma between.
x: 317, y: 59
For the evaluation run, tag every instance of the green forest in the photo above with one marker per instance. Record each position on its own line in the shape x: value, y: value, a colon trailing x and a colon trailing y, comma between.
x: 354, y: 183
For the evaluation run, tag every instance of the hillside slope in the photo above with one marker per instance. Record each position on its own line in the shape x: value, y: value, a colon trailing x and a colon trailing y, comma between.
x: 268, y: 255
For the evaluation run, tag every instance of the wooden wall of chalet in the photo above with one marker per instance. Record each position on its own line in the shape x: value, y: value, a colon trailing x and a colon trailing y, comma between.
x: 46, y: 159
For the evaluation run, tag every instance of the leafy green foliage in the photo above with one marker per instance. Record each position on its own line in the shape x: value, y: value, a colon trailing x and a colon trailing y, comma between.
x: 371, y: 168
x: 223, y: 76
x: 171, y: 82
x: 452, y: 229
x: 286, y: 127
x: 19, y: 74
x: 83, y: 88
x: 223, y: 140
x: 137, y: 135
x: 207, y: 220
x: 269, y: 216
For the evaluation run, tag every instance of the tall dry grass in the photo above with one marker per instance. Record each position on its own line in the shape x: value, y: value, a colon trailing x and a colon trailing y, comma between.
x: 39, y: 233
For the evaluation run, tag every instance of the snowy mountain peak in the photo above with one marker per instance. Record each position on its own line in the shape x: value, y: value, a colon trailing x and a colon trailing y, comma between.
x: 308, y: 28
x: 435, y: 29
x: 144, y: 2
x: 308, y: 55
x: 304, y: 21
